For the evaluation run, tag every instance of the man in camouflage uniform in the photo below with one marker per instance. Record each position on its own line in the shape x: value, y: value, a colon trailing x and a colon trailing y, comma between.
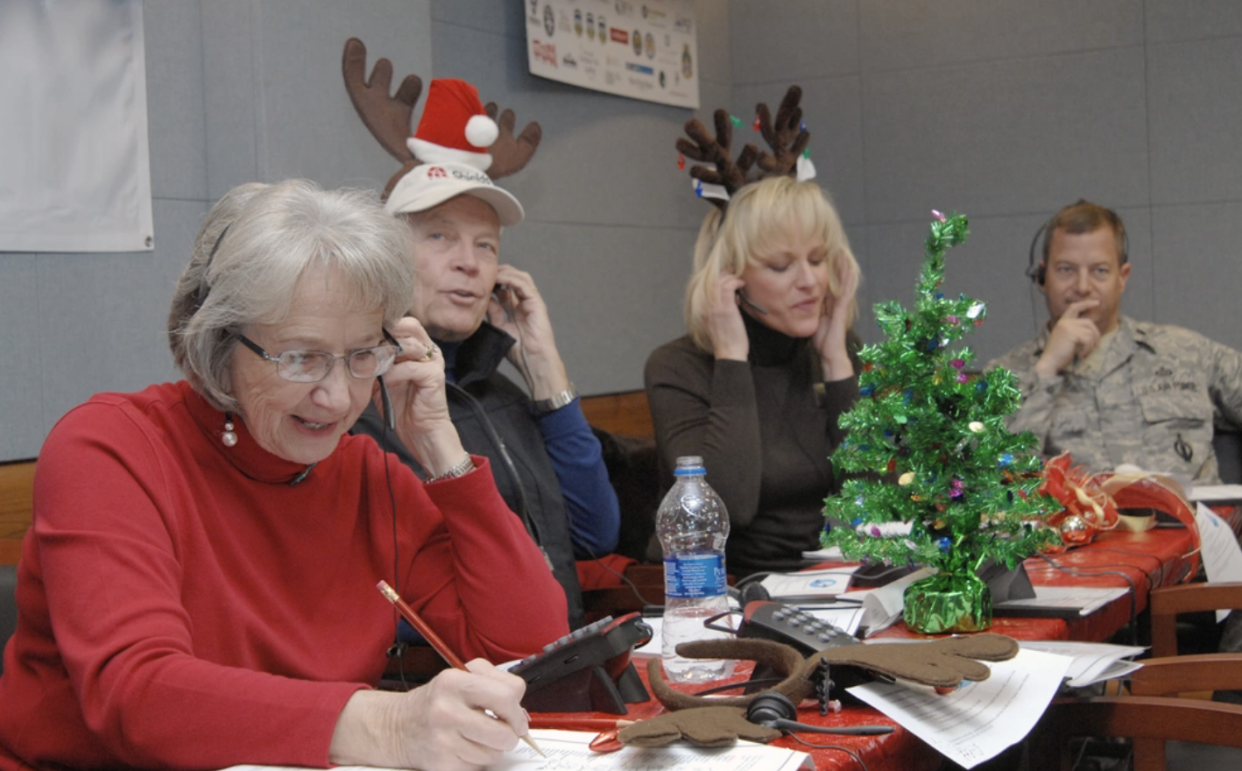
x: 1105, y: 387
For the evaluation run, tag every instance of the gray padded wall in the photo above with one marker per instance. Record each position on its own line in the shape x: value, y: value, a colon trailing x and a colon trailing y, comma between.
x: 1006, y: 110
x: 243, y: 90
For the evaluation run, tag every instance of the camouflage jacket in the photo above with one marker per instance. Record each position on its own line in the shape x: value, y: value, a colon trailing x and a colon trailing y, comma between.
x: 1153, y: 401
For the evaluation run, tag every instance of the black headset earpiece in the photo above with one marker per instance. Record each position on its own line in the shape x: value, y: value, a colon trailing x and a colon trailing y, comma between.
x: 769, y: 709
x: 775, y: 710
x: 1036, y: 269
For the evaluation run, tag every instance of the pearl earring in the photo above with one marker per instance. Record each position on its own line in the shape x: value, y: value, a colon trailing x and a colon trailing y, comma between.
x: 229, y: 437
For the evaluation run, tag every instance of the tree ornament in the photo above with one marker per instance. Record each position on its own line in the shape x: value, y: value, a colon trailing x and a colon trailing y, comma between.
x: 964, y: 497
x: 1074, y: 531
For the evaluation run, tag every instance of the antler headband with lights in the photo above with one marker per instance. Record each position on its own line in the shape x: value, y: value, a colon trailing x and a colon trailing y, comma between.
x: 389, y: 117
x: 786, y: 136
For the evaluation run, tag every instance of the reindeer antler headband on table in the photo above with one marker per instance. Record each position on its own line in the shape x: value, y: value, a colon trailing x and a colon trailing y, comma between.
x: 786, y: 136
x: 388, y: 118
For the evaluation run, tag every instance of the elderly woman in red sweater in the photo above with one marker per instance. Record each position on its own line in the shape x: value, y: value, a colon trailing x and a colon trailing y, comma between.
x: 198, y: 588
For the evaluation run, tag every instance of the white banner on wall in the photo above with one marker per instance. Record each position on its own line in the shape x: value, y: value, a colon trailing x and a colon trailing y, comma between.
x: 74, y: 165
x: 644, y: 49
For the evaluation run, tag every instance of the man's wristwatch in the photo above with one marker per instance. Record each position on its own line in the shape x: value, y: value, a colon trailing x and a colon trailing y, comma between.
x: 556, y: 401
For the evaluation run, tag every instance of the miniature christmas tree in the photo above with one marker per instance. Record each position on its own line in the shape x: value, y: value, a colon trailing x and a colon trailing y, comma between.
x: 957, y: 487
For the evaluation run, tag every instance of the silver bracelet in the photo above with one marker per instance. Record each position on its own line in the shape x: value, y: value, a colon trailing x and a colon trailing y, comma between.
x: 556, y: 401
x: 463, y: 467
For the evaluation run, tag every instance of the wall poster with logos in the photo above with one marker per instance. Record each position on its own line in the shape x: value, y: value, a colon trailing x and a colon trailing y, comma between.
x: 644, y: 49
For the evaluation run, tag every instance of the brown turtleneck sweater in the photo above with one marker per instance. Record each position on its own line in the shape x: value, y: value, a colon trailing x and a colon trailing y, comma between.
x: 763, y: 434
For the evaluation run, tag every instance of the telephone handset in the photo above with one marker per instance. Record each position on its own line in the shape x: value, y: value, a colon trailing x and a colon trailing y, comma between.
x: 587, y: 670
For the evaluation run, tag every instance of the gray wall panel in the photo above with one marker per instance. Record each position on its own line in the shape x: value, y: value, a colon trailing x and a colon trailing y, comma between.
x: 1006, y: 136
x: 1196, y: 120
x: 1169, y: 20
x: 108, y: 313
x: 230, y: 85
x: 176, y: 126
x: 783, y: 41
x: 1198, y: 278
x: 500, y: 18
x: 25, y: 355
x: 614, y: 293
x: 713, y: 43
x: 900, y: 35
x: 309, y: 127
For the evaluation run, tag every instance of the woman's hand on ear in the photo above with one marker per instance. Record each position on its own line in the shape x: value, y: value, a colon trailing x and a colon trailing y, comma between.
x: 835, y: 322
x: 419, y: 402
x: 724, y: 320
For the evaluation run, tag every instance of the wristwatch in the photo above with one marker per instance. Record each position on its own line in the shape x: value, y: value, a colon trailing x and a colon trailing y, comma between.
x: 463, y: 467
x: 556, y: 401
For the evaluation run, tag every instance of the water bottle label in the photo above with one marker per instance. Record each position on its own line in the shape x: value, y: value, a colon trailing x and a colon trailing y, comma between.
x: 692, y: 576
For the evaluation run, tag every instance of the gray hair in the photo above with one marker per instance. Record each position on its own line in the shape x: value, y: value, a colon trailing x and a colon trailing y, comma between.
x: 255, y: 244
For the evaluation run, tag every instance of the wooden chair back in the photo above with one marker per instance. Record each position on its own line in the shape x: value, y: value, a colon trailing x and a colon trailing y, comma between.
x: 1154, y: 718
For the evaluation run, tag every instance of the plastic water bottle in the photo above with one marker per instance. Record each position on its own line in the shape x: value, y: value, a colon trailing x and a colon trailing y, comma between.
x: 692, y: 526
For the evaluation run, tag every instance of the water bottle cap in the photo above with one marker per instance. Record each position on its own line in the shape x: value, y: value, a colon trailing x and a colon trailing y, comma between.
x: 689, y: 465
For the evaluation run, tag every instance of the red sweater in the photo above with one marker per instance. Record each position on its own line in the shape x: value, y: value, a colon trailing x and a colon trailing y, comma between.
x: 182, y: 606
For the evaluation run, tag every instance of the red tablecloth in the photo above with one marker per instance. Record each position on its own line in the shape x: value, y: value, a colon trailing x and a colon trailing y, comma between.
x: 1155, y: 558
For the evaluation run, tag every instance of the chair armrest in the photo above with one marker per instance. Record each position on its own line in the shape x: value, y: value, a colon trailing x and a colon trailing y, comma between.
x: 1185, y: 674
x: 1171, y: 601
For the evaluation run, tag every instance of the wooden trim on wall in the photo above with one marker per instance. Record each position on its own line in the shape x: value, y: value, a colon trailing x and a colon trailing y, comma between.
x: 16, y: 504
x: 622, y: 414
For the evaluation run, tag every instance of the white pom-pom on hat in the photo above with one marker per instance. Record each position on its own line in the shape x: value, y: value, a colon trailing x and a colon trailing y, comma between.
x: 481, y: 131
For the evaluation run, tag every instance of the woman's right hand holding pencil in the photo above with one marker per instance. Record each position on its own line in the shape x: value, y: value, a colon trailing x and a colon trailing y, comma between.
x: 444, y: 725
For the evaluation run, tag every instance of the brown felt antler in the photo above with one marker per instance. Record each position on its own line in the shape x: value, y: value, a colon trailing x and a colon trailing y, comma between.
x: 728, y: 173
x: 387, y: 117
x: 511, y: 154
x: 786, y: 136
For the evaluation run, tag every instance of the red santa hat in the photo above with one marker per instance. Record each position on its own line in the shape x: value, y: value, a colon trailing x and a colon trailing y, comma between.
x: 454, y: 127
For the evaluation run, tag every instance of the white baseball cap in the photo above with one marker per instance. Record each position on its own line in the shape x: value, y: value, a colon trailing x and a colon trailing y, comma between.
x: 431, y: 184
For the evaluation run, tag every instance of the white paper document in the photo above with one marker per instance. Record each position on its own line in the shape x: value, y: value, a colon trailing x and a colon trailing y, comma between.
x: 1222, y: 558
x: 1090, y: 662
x: 1061, y: 601
x: 831, y: 554
x: 979, y: 720
x: 883, y: 606
x: 1216, y: 493
x: 569, y: 751
x: 809, y: 585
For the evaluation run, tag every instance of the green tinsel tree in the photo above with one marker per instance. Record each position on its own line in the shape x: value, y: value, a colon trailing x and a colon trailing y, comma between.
x: 948, y: 468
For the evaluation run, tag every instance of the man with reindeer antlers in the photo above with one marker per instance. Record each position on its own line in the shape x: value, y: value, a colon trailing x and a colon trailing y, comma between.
x: 549, y: 466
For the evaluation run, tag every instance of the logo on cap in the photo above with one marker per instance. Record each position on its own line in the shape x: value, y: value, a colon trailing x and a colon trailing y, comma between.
x: 435, y: 172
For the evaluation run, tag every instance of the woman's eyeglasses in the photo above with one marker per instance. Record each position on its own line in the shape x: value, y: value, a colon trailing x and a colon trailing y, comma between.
x: 313, y: 366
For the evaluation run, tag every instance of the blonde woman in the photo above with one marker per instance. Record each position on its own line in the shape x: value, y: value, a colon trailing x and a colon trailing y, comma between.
x: 768, y: 367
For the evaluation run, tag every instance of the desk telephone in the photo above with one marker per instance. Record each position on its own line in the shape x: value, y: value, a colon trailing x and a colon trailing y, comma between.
x: 587, y: 670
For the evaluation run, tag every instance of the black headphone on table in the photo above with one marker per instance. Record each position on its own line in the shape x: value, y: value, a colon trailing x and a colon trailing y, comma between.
x: 1037, y: 270
x: 775, y: 710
